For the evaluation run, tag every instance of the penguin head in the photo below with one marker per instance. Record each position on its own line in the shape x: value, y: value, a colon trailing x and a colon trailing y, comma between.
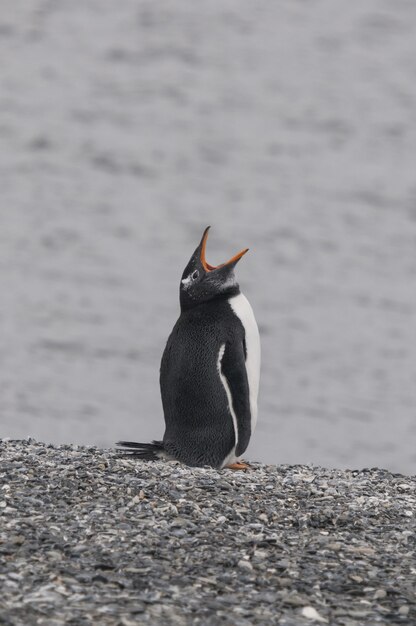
x: 202, y: 282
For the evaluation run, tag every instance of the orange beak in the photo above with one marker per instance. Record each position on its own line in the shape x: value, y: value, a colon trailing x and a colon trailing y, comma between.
x: 207, y: 267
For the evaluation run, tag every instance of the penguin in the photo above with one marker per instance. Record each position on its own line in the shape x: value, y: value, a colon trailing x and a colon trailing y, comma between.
x: 210, y: 371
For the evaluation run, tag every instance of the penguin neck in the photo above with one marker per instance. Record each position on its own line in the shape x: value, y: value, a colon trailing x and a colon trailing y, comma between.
x: 230, y: 292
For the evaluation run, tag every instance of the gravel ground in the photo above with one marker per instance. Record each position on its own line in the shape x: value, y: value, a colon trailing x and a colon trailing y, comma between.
x: 89, y: 537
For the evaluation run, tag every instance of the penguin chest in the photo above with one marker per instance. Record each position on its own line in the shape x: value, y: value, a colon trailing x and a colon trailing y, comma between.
x: 242, y: 309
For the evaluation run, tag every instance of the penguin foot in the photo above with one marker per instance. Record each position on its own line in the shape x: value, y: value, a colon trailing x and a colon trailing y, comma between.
x: 240, y: 465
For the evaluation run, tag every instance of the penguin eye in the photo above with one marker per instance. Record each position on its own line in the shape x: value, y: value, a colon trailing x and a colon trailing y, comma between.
x: 195, y: 275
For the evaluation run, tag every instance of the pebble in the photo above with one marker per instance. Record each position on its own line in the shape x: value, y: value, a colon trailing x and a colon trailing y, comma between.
x: 242, y: 564
x: 404, y: 610
x: 311, y: 613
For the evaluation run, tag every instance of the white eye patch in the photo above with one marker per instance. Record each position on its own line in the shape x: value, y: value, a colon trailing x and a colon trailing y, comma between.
x: 186, y: 282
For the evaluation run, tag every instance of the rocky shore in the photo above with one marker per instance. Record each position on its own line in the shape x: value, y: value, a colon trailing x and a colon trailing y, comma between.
x: 90, y: 537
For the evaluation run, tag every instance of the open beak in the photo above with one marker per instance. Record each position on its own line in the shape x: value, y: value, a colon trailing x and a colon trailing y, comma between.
x: 207, y: 267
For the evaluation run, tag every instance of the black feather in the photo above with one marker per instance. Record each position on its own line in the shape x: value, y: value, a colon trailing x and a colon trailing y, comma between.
x: 144, y: 451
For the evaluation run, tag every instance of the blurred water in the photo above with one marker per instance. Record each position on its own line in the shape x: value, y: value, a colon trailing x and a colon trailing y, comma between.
x: 290, y: 127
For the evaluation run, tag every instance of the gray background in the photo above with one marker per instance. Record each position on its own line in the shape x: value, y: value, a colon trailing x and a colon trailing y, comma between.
x: 288, y: 126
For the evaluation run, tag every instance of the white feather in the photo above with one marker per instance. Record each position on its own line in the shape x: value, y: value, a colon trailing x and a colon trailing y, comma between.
x: 242, y: 308
x: 187, y: 281
x: 231, y: 458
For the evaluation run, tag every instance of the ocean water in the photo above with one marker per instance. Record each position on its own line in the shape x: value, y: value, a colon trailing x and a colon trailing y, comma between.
x: 290, y: 127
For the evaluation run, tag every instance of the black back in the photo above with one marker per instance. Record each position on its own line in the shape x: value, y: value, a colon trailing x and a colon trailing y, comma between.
x: 199, y: 426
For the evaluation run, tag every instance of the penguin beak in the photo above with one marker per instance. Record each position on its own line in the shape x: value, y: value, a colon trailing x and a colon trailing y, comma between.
x: 209, y: 268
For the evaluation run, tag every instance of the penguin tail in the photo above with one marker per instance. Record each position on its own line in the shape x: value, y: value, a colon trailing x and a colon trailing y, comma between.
x: 144, y: 451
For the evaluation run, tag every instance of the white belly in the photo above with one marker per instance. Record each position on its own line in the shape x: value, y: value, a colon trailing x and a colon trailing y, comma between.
x: 242, y: 308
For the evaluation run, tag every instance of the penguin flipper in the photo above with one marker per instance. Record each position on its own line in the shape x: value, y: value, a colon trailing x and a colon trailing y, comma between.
x: 143, y: 451
x: 233, y: 367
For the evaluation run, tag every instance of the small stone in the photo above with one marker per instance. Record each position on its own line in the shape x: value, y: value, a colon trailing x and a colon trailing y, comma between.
x: 294, y: 600
x: 260, y: 554
x: 404, y: 610
x: 246, y: 565
x: 367, y: 550
x: 356, y: 579
x: 18, y: 539
x: 310, y: 613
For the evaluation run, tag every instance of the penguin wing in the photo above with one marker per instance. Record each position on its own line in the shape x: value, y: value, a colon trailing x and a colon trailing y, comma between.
x: 233, y: 368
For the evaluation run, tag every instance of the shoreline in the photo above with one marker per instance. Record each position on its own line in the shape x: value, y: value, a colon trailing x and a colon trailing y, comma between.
x: 88, y: 536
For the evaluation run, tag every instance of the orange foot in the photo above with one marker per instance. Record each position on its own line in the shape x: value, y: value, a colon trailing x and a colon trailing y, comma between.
x: 240, y: 465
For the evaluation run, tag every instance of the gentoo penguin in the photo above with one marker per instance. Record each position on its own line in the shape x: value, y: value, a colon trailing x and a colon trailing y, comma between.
x: 209, y: 375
